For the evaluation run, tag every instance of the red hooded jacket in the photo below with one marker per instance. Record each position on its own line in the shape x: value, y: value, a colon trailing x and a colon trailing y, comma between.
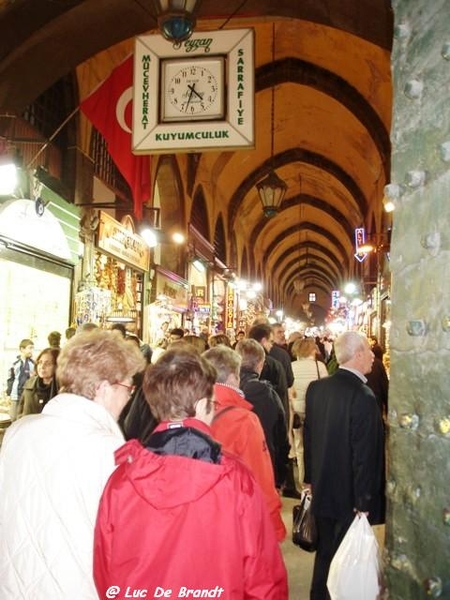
x: 171, y: 526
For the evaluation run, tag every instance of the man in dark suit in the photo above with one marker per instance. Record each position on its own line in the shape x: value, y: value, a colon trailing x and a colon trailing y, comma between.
x: 343, y: 451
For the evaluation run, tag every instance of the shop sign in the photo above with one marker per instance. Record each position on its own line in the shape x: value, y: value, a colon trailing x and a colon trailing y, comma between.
x: 335, y: 295
x: 200, y: 293
x: 20, y: 221
x: 121, y: 241
x: 360, y: 240
x: 230, y: 308
x: 157, y: 130
x: 176, y: 292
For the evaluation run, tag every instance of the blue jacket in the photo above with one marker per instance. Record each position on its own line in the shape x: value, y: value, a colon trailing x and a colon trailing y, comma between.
x: 18, y: 374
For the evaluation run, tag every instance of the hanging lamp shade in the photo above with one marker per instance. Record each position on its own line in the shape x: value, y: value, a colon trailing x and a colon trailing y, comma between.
x: 176, y: 18
x: 271, y: 192
x: 272, y: 189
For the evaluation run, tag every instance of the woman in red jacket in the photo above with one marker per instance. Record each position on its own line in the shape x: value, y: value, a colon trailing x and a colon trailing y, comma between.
x: 181, y: 518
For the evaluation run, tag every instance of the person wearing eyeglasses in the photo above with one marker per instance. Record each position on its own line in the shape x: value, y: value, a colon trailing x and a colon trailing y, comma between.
x: 180, y: 517
x: 54, y: 465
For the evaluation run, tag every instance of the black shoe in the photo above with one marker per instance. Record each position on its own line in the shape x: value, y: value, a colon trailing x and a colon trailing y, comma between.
x: 291, y: 493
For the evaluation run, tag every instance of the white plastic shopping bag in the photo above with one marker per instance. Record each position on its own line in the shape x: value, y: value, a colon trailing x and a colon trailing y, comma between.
x: 354, y: 570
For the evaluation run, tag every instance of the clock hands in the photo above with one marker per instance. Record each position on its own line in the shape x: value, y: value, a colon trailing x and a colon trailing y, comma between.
x: 193, y: 91
x: 190, y: 97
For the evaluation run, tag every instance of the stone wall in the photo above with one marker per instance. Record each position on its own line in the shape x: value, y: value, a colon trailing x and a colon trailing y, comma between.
x: 418, y: 524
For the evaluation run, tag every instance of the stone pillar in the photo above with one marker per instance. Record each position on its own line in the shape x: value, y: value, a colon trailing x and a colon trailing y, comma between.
x: 418, y: 523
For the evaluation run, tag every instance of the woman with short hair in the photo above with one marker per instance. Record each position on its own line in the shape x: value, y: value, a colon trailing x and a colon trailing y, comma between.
x: 54, y: 465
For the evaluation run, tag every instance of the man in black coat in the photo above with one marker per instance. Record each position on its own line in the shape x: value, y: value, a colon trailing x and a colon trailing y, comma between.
x: 266, y: 405
x: 273, y: 370
x: 343, y: 451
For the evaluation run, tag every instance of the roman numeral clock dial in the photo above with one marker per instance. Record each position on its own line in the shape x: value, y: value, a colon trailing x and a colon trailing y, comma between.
x: 192, y: 90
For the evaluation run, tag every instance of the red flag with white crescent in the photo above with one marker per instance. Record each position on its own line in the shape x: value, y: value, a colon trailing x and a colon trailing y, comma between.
x: 109, y: 108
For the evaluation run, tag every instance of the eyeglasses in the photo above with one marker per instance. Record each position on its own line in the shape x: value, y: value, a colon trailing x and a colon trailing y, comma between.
x: 130, y: 388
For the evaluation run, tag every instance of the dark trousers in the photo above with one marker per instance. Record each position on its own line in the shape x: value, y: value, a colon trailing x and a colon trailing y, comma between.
x: 330, y: 535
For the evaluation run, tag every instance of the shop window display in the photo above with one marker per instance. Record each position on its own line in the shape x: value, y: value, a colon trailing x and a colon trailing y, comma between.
x: 116, y: 294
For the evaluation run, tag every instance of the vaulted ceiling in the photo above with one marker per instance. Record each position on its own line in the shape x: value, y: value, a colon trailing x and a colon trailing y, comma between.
x: 327, y: 65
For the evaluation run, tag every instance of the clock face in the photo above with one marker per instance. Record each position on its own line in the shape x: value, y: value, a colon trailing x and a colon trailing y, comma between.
x: 192, y: 90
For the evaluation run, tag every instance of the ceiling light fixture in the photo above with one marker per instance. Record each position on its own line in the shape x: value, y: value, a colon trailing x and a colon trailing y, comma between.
x: 176, y: 19
x: 272, y: 189
x: 388, y: 204
x: 149, y: 236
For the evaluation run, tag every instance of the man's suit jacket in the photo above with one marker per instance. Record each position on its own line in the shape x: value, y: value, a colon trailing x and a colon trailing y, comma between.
x: 344, y: 447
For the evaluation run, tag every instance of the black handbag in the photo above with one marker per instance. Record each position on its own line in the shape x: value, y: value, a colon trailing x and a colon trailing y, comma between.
x: 304, y: 531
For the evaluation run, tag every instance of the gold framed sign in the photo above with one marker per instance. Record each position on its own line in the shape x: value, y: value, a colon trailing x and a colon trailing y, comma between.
x: 197, y: 97
x: 120, y: 240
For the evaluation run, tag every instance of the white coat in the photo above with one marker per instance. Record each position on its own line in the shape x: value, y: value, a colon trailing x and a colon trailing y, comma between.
x: 53, y: 468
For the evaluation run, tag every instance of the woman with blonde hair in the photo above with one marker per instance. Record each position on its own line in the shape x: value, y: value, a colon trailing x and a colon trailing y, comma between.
x: 54, y: 465
x: 306, y: 368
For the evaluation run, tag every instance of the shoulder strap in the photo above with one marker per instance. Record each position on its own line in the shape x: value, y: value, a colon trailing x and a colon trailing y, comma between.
x: 317, y: 368
x: 221, y: 412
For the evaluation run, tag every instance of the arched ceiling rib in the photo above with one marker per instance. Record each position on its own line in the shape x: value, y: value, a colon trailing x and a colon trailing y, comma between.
x: 287, y: 278
x: 301, y: 261
x: 306, y: 200
x: 294, y: 155
x: 315, y: 77
x: 329, y: 257
x: 305, y: 226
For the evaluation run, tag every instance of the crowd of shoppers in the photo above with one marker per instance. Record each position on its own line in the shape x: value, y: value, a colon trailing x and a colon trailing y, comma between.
x: 216, y: 427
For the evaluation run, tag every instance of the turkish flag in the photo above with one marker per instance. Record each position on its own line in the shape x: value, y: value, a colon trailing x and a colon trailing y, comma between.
x: 109, y: 108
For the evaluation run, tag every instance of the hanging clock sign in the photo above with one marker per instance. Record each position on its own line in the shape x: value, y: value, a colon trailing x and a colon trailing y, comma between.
x: 195, y: 97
